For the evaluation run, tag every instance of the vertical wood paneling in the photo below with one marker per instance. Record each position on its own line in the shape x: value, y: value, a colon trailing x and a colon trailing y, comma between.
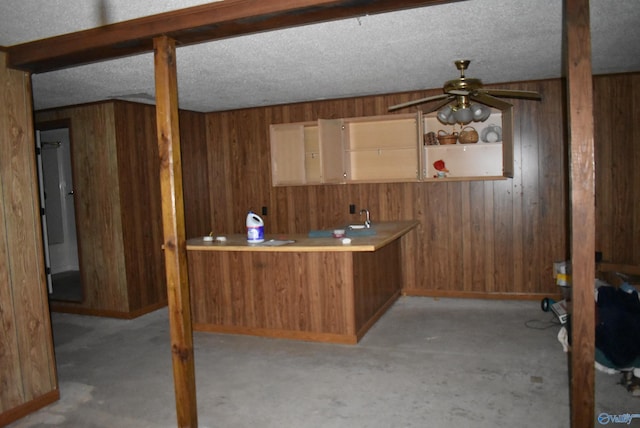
x: 616, y: 109
x: 117, y: 198
x: 528, y: 192
x: 474, y: 278
x: 309, y: 292
x: 453, y: 261
x: 436, y: 225
x: 138, y: 169
x: 476, y: 238
x: 22, y: 223
x: 197, y: 191
x: 504, y: 250
x: 487, y: 248
x: 220, y: 188
x: 466, y: 240
x: 97, y: 202
x: 606, y: 134
x: 469, y: 243
x: 27, y: 367
x: 12, y: 393
x: 553, y: 208
x: 376, y: 281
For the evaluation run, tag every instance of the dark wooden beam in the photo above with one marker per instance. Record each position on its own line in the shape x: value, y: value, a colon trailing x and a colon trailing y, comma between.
x: 188, y: 26
x: 175, y: 247
x: 582, y: 178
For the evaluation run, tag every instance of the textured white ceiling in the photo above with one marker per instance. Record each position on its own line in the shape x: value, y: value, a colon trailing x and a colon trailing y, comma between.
x: 401, y: 51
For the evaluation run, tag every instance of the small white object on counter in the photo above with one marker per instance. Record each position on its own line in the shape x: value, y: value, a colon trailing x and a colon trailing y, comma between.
x: 346, y: 241
x: 338, y: 233
x: 207, y: 238
x: 221, y: 238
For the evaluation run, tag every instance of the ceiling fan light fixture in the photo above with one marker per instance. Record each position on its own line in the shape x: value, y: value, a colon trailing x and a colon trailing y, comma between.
x: 464, y: 90
x: 463, y: 115
x: 480, y: 112
x: 444, y: 113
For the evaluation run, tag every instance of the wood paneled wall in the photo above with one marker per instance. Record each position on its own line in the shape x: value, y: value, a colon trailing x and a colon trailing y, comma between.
x: 139, y: 186
x: 27, y: 367
x: 194, y: 152
x: 117, y: 199
x: 478, y: 238
x: 96, y: 199
x: 617, y: 145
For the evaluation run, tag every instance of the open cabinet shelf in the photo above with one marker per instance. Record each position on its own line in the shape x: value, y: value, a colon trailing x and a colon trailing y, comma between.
x: 482, y: 160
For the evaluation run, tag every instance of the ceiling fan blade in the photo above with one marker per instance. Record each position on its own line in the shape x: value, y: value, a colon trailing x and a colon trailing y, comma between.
x: 490, y: 100
x: 416, y: 102
x: 507, y: 93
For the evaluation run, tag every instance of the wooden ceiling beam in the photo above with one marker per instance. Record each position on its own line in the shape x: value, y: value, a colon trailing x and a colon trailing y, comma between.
x: 208, y: 22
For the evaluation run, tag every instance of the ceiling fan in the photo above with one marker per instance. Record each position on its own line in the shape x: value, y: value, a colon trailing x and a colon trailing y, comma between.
x: 464, y: 91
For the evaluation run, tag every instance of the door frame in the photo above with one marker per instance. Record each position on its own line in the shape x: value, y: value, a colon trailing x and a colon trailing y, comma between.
x: 43, y: 213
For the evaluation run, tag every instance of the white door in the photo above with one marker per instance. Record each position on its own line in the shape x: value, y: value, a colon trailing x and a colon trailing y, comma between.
x: 57, y: 194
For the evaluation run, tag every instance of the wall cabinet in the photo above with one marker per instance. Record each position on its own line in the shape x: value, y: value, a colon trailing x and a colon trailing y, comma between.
x: 484, y: 160
x: 389, y: 148
x: 369, y: 149
x: 295, y: 156
x: 383, y: 148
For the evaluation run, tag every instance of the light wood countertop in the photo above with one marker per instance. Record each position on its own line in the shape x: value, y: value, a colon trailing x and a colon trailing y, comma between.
x: 386, y: 232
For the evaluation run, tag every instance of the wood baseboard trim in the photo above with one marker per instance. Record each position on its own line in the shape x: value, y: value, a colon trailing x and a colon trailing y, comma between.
x: 147, y: 309
x: 23, y: 410
x: 308, y: 336
x: 479, y: 295
x: 78, y: 310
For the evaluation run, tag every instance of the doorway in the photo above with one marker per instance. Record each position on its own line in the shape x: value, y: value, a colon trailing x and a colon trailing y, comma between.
x: 58, y: 214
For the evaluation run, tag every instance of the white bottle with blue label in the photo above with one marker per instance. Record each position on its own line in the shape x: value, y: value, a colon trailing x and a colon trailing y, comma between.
x: 255, y: 228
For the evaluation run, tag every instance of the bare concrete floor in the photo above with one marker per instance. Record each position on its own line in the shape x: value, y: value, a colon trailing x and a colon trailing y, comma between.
x: 426, y: 363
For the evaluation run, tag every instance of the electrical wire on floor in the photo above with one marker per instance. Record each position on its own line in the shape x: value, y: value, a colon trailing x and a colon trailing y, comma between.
x: 543, y: 325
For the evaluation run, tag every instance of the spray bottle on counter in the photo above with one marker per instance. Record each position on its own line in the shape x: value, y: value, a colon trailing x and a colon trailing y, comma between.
x: 255, y: 228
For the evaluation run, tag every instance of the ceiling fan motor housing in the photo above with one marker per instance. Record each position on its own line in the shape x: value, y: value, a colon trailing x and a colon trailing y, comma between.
x: 462, y: 86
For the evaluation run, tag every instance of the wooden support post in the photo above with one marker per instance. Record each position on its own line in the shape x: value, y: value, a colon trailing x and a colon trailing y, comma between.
x: 582, y: 170
x: 175, y: 250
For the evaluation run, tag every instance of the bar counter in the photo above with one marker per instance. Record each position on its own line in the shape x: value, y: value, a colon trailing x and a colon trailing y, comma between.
x: 316, y: 289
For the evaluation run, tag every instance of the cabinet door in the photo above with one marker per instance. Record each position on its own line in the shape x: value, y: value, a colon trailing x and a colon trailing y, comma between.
x: 287, y: 154
x: 507, y: 142
x: 331, y: 150
x: 382, y: 149
x: 312, y: 157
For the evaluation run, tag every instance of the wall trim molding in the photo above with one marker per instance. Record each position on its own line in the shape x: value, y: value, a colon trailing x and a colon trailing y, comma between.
x: 413, y: 292
x: 29, y: 407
